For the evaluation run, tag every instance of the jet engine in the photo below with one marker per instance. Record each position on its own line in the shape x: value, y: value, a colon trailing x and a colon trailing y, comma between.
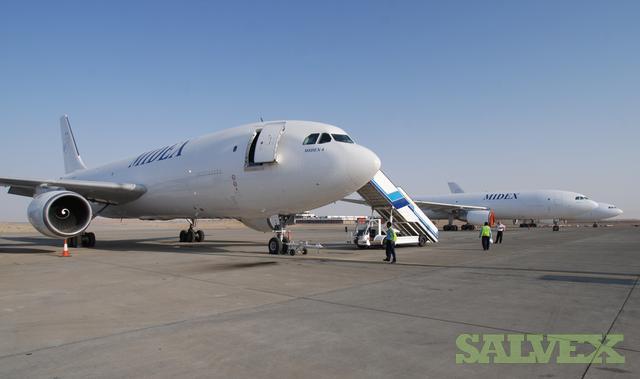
x: 60, y: 214
x: 480, y: 217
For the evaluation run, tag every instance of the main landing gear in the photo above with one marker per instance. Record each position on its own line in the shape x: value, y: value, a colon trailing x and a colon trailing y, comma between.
x: 84, y: 240
x: 280, y: 244
x: 191, y: 235
x: 468, y: 227
x: 450, y: 227
x: 531, y: 224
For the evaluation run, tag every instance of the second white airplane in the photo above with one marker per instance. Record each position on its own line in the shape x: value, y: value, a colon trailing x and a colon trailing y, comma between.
x: 478, y: 207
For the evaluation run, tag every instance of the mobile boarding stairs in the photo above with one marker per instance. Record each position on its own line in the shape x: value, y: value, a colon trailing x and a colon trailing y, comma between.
x: 393, y: 204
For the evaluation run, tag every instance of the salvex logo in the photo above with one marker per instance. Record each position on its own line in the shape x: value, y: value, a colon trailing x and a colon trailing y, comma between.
x: 539, y: 348
x: 501, y: 196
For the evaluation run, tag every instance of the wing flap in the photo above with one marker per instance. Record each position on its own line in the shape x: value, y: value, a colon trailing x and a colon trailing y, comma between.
x: 103, y: 192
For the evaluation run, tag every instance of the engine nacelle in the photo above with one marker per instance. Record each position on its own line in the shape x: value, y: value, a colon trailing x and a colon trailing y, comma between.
x: 60, y: 214
x: 480, y: 217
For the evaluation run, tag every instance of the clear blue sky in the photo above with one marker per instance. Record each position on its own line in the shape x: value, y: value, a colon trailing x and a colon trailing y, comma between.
x: 492, y: 94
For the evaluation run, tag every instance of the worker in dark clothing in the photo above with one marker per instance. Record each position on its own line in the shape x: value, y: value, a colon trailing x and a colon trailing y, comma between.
x: 390, y: 244
x: 485, y: 234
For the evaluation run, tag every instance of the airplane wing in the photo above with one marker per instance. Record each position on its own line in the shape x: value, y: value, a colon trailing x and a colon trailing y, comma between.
x: 102, y: 192
x: 430, y: 205
x: 444, y: 207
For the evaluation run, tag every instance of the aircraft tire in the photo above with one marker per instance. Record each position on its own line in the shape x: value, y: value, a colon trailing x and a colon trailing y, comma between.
x: 285, y: 246
x: 275, y: 246
x: 92, y: 239
x: 189, y: 236
x: 556, y: 228
x: 183, y: 236
x: 199, y: 236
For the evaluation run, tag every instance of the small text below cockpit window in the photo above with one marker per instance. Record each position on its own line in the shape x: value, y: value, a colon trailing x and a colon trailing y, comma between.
x: 311, y: 139
x: 342, y: 138
x: 582, y: 198
x: 324, y: 138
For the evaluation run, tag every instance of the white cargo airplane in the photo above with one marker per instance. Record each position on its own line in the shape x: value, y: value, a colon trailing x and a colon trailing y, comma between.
x: 480, y: 207
x: 261, y: 174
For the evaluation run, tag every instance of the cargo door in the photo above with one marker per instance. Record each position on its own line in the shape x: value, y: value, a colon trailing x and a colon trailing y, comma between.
x: 265, y: 145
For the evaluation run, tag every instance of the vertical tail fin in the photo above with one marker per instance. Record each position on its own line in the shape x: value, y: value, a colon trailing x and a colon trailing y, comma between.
x: 454, y: 187
x: 72, y: 160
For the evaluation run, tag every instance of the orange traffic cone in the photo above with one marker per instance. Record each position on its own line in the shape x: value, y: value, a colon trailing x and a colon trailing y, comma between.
x: 65, y: 249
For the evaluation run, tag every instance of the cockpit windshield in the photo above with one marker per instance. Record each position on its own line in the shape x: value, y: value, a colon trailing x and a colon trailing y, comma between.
x: 314, y: 138
x: 342, y: 138
x: 324, y: 138
x: 311, y: 139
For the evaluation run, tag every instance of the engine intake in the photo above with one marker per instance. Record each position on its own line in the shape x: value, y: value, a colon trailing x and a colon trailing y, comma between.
x: 60, y: 213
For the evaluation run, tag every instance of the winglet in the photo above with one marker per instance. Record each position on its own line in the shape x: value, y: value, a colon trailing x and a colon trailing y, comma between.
x: 455, y: 188
x: 70, y: 153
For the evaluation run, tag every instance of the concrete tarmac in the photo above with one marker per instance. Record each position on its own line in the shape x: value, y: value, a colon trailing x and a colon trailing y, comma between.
x: 140, y: 304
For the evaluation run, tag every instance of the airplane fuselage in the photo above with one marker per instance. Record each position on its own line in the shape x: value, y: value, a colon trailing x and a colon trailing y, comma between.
x: 528, y: 204
x: 212, y: 176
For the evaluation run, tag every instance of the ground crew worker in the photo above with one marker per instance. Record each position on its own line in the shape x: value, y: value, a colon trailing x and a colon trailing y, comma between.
x: 485, y: 234
x: 501, y: 227
x: 390, y: 244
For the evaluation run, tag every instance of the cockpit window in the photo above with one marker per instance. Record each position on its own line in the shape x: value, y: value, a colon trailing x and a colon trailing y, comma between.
x: 342, y: 138
x: 311, y: 139
x: 582, y: 198
x: 325, y: 138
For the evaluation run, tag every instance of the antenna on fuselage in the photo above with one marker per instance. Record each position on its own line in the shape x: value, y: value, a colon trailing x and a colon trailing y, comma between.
x: 261, y: 120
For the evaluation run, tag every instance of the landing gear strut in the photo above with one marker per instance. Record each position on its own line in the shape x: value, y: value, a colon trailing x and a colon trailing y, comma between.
x: 280, y: 244
x: 84, y: 240
x: 450, y: 226
x: 191, y: 235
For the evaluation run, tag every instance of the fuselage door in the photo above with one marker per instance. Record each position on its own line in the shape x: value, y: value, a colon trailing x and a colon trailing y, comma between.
x: 266, y: 146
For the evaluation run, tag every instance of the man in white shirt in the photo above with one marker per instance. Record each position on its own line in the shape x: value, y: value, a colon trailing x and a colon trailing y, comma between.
x: 500, y: 229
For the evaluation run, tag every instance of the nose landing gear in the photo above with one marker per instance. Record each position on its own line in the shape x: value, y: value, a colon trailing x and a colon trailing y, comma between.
x: 280, y: 244
x: 191, y: 235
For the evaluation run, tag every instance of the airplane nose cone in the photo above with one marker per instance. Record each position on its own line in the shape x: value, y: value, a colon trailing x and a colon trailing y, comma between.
x: 363, y: 165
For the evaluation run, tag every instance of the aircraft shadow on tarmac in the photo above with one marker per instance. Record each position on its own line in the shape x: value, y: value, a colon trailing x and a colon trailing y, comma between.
x: 155, y: 245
